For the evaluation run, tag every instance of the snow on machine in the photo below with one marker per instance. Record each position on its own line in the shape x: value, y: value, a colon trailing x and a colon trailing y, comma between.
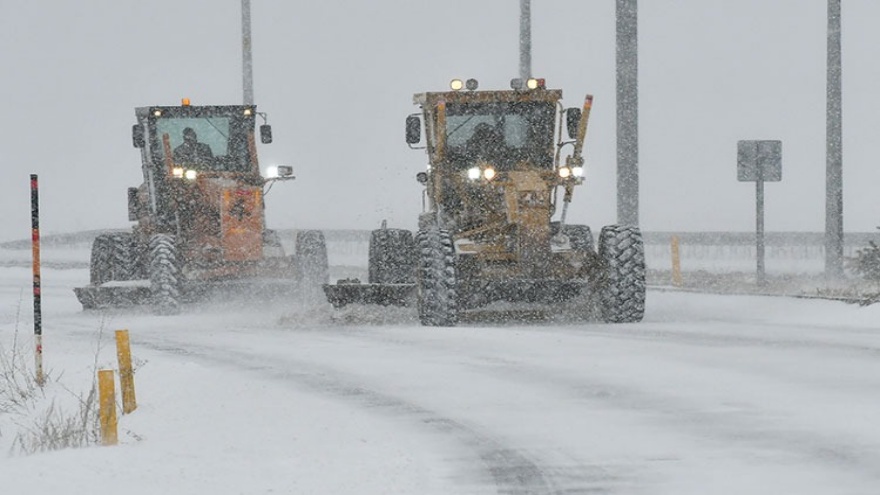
x: 200, y: 227
x: 492, y: 188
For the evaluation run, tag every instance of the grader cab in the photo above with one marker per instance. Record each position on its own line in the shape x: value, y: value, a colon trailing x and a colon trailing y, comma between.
x: 495, y: 181
x: 200, y: 216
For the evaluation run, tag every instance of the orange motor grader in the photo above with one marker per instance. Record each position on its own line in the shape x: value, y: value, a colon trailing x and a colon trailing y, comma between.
x: 200, y: 217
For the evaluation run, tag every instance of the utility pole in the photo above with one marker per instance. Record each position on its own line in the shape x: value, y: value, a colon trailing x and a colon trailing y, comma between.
x: 525, y: 39
x: 627, y: 113
x: 834, y: 149
x: 247, y: 66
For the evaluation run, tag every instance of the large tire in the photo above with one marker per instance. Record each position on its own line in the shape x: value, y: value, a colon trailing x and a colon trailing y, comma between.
x: 580, y: 236
x: 622, y: 285
x: 112, y: 258
x: 436, y: 280
x: 165, y: 274
x: 272, y: 247
x: 311, y: 258
x: 392, y: 257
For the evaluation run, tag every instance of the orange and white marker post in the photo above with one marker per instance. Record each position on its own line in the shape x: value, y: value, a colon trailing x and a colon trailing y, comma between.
x: 35, y: 249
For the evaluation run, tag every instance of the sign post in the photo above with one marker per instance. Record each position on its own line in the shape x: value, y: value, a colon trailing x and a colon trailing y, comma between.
x: 247, y: 61
x: 759, y: 162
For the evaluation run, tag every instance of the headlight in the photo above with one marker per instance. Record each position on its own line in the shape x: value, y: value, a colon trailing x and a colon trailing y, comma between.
x: 489, y: 173
x: 456, y: 84
x: 191, y: 174
x: 474, y: 173
x: 564, y: 172
x: 272, y: 172
x: 177, y: 172
x: 577, y: 171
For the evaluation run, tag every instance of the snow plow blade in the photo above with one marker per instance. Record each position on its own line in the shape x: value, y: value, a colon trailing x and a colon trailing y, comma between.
x: 352, y: 292
x: 98, y: 297
x: 134, y: 294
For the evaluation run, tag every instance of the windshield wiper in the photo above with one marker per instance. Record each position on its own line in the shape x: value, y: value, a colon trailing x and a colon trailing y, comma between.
x: 460, y: 126
x: 216, y: 128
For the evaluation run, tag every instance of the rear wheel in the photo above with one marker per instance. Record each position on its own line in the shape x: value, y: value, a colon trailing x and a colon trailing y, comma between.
x: 111, y: 258
x: 580, y: 236
x: 436, y: 284
x: 622, y: 285
x: 311, y: 258
x: 165, y: 275
x: 272, y: 247
x: 392, y: 257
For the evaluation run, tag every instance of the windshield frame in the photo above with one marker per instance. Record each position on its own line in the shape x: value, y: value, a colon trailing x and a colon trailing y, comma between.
x: 236, y: 125
x: 525, y: 131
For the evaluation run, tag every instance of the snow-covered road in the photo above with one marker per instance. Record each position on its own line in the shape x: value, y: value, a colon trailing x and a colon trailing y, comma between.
x: 710, y: 394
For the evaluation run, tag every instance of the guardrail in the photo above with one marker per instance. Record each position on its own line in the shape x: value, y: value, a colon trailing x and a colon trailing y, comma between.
x: 785, y: 252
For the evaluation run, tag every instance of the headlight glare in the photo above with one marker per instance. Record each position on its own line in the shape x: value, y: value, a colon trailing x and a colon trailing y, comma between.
x: 474, y: 173
x: 564, y: 172
x: 177, y: 172
x: 489, y: 173
x: 191, y: 174
x: 272, y: 172
x: 577, y: 171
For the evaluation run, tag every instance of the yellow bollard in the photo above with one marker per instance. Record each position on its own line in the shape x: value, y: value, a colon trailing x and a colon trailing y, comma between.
x: 676, y: 263
x: 126, y: 374
x: 107, y: 407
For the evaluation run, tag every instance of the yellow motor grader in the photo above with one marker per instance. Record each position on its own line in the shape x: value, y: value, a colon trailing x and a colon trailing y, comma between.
x: 495, y: 181
x: 200, y: 227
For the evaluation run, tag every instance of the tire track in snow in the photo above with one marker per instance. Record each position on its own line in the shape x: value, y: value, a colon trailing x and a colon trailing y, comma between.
x: 511, y: 470
x: 742, y: 426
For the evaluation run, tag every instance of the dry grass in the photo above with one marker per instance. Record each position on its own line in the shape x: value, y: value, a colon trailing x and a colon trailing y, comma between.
x: 38, y: 419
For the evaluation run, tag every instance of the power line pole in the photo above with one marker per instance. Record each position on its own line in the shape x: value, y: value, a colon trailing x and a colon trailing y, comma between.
x: 525, y: 39
x: 834, y: 149
x: 247, y: 66
x: 627, y: 113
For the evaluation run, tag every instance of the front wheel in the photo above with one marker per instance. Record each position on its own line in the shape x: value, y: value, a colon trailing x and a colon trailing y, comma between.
x: 165, y: 275
x: 622, y: 284
x: 436, y: 280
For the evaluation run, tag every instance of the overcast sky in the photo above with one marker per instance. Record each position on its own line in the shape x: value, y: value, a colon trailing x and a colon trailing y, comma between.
x: 337, y: 77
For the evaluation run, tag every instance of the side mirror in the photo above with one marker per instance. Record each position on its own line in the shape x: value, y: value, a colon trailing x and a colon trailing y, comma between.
x: 134, y: 206
x: 285, y: 170
x: 413, y: 129
x: 572, y: 121
x: 422, y: 178
x: 137, y: 136
x: 265, y: 133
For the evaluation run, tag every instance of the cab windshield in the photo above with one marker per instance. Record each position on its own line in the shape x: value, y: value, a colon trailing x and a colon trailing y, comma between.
x: 503, y: 134
x: 205, y: 143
